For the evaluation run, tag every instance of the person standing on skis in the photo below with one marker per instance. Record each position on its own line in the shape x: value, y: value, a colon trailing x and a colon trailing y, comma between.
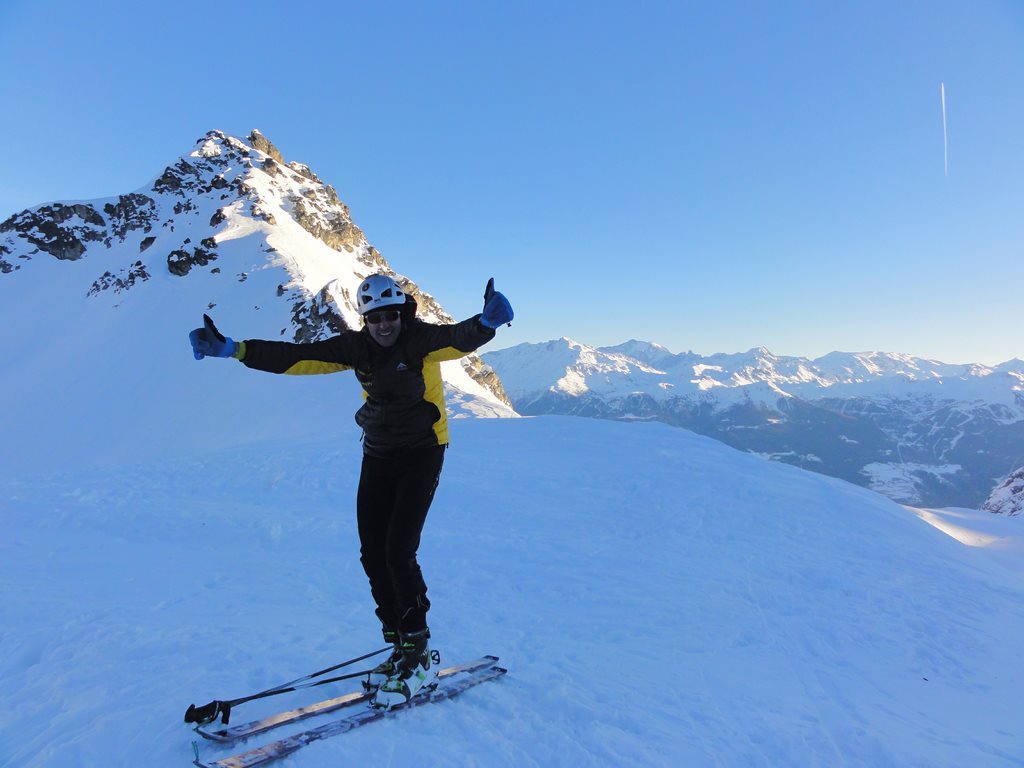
x: 396, y: 358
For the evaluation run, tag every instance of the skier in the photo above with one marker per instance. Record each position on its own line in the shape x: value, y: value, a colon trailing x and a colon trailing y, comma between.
x: 396, y: 358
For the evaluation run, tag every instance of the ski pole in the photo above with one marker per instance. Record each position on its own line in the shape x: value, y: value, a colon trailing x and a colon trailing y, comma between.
x: 207, y: 713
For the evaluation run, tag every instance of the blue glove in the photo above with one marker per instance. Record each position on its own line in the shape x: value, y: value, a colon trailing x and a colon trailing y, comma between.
x: 497, y: 310
x: 208, y: 341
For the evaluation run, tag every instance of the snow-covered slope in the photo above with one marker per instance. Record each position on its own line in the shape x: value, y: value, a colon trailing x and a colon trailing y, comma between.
x: 659, y: 599
x: 918, y: 430
x: 97, y: 298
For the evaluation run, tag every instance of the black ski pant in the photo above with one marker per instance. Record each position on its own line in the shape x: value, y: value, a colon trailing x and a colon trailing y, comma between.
x: 391, y: 506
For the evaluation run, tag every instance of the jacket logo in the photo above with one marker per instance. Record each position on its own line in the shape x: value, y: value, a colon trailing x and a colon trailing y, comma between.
x: 401, y: 367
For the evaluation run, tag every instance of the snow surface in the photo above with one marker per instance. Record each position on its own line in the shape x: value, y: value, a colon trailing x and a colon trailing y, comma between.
x: 658, y: 598
x: 1002, y: 536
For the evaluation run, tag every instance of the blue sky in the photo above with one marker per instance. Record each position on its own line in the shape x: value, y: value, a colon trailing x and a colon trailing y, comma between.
x: 709, y: 176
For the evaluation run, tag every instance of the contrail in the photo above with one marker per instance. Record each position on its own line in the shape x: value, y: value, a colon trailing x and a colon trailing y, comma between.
x: 945, y: 135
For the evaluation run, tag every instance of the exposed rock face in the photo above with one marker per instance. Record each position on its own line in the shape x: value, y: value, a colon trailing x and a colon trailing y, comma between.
x: 131, y: 212
x: 180, y: 261
x: 122, y: 281
x: 483, y: 373
x: 1008, y: 498
x: 63, y: 231
x: 335, y: 230
x: 263, y: 144
x: 6, y: 266
x: 314, y: 318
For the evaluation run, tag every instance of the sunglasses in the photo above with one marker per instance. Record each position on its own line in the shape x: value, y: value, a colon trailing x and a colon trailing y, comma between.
x: 376, y: 317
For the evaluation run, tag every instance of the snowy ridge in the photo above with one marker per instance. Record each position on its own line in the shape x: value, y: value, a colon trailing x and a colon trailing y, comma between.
x: 638, y: 366
x: 918, y: 430
x: 114, y: 285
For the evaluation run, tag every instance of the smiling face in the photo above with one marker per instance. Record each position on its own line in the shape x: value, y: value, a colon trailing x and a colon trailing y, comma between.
x: 384, y: 326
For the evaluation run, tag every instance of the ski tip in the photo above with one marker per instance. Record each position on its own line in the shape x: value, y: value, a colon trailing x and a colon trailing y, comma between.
x: 219, y: 736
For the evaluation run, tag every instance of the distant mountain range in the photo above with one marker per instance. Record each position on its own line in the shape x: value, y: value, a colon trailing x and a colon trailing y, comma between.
x: 919, y: 431
x: 97, y: 298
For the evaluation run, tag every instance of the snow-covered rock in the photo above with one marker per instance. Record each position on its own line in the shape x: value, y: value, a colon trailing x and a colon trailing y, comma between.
x: 1008, y: 498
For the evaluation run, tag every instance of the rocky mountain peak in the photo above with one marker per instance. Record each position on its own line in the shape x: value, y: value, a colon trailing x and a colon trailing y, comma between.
x: 225, y: 192
x: 263, y: 144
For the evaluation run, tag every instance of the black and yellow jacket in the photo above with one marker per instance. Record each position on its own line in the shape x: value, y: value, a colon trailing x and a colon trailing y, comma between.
x: 403, y: 394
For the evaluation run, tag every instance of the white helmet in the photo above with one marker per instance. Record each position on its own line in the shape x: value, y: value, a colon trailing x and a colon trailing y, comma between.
x: 377, y: 292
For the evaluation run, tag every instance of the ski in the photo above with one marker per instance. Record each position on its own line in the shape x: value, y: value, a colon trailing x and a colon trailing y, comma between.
x: 446, y: 689
x: 245, y: 730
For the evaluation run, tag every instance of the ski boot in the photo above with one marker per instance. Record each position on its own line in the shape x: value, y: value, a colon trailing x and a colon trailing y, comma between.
x: 417, y: 672
x: 390, y: 666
